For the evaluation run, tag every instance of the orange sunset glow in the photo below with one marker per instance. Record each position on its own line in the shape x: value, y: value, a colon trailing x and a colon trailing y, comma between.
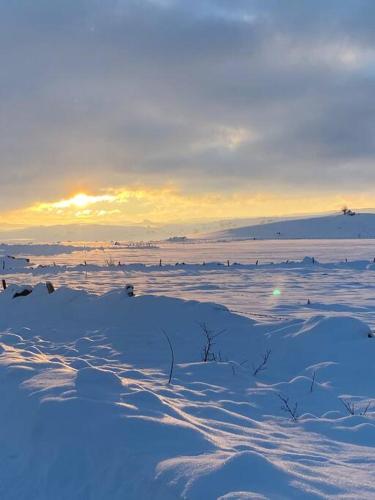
x: 166, y: 204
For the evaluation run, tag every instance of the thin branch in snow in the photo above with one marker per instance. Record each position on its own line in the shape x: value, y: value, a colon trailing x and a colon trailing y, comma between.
x: 172, y: 356
x: 291, y: 410
x: 313, y: 381
x: 263, y: 365
x: 349, y: 405
x: 210, y: 335
x: 363, y: 413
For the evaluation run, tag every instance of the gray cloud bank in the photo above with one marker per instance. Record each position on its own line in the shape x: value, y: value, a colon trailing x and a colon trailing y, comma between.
x: 211, y: 94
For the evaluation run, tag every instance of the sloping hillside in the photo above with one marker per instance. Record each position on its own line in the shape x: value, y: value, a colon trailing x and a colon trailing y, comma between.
x: 337, y: 226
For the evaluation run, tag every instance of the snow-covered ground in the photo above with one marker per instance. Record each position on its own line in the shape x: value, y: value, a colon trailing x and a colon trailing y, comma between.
x: 360, y: 225
x: 87, y: 411
x: 264, y: 291
x: 38, y: 249
x: 282, y: 408
x: 195, y: 252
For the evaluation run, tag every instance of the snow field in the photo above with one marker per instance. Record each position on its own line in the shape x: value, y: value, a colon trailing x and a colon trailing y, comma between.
x: 87, y: 412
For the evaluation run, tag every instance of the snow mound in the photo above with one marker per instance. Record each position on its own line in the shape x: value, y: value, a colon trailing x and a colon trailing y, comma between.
x: 38, y: 249
x: 10, y: 263
x: 92, y: 381
x: 248, y: 470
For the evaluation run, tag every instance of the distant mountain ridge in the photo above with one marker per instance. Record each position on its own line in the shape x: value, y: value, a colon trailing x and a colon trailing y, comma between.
x: 360, y: 225
x: 105, y: 232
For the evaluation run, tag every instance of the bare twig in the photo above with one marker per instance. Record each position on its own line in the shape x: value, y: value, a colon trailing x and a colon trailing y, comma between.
x: 313, y: 382
x: 363, y: 413
x: 349, y: 405
x: 292, y: 411
x: 172, y: 355
x: 263, y: 365
x: 210, y: 335
x: 221, y: 358
x: 352, y: 408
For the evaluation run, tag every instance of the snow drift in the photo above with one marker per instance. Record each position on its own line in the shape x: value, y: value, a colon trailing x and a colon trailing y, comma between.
x: 86, y: 411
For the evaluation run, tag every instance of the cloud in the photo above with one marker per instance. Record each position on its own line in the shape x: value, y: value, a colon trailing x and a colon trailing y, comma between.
x: 210, y: 95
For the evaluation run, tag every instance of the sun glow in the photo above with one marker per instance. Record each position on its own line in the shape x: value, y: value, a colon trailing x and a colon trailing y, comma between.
x: 80, y: 200
x: 169, y: 204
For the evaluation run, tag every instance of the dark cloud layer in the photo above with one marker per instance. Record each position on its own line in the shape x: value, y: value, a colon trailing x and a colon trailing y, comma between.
x: 210, y: 94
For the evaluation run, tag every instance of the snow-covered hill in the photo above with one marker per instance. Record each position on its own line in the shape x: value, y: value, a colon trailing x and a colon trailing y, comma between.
x: 281, y: 411
x: 361, y: 225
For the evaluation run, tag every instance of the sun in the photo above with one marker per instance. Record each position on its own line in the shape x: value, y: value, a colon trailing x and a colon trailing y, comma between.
x: 81, y: 200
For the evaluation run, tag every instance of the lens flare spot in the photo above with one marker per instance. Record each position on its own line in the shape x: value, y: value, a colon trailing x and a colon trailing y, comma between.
x: 276, y: 292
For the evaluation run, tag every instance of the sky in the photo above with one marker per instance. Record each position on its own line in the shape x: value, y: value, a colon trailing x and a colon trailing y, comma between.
x: 123, y: 111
